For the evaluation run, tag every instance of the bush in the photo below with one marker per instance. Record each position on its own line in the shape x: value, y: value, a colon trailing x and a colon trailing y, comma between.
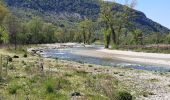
x: 13, y: 89
x: 9, y: 59
x: 90, y: 65
x: 123, y: 95
x: 49, y: 88
x: 50, y: 85
x: 23, y: 62
x: 11, y: 66
x: 25, y: 55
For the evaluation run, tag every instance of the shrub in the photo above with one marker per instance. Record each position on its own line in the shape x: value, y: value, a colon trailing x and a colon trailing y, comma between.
x: 90, y: 65
x: 9, y: 59
x: 123, y: 95
x: 154, y: 80
x: 50, y: 85
x: 25, y: 55
x: 11, y: 66
x: 13, y: 89
x: 49, y: 88
x: 81, y: 73
x: 23, y: 62
x: 34, y: 79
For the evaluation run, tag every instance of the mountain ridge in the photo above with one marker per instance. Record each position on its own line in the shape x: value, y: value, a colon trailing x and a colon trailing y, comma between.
x: 73, y: 10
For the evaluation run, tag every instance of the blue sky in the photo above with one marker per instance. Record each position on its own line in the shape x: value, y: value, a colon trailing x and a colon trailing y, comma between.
x: 157, y: 10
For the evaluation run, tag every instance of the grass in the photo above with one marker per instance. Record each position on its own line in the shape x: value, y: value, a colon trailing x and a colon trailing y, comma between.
x: 154, y: 80
x: 146, y: 93
x: 25, y: 80
x: 13, y: 88
x: 147, y: 49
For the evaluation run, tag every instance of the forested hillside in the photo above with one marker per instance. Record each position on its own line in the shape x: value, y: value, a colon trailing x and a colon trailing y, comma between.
x: 87, y: 21
x: 69, y: 11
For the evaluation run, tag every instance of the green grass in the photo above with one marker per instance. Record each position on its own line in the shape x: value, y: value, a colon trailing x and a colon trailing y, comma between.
x: 25, y: 80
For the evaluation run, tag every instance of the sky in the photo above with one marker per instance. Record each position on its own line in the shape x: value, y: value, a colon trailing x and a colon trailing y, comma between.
x: 157, y: 10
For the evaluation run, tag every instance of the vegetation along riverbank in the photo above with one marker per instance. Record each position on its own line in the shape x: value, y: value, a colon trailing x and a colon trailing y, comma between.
x: 49, y: 51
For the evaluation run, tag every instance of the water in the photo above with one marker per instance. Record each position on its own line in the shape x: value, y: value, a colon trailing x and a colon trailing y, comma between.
x: 68, y: 54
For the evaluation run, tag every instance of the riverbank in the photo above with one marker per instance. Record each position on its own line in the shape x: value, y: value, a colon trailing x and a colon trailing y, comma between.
x: 26, y: 80
x: 141, y: 57
x: 129, y: 56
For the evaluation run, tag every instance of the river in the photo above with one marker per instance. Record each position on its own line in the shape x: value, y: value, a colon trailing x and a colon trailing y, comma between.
x: 90, y: 55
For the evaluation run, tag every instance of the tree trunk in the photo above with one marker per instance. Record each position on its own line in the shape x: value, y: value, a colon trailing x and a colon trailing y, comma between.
x: 107, y: 40
x: 84, y: 37
x: 89, y: 38
x: 118, y: 35
x: 113, y: 36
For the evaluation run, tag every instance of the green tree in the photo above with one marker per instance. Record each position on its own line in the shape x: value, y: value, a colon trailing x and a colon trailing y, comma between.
x: 107, y: 17
x: 87, y: 27
x: 48, y: 32
x: 12, y: 25
x: 167, y: 39
x: 3, y: 13
x: 137, y: 36
x: 4, y: 35
x: 35, y: 29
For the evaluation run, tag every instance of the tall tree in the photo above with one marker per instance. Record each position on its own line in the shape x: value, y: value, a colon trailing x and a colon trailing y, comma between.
x: 13, y: 26
x: 3, y: 13
x: 35, y: 29
x: 107, y: 15
x: 48, y: 31
x: 87, y: 27
x: 114, y: 21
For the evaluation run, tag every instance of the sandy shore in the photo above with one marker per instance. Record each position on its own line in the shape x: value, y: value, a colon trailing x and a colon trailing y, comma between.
x: 141, y: 57
x: 119, y: 55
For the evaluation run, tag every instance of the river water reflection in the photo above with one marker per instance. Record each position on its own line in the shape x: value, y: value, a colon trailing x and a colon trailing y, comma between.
x: 69, y: 54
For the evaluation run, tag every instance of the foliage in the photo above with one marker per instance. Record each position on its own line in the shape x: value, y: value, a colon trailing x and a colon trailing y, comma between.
x: 3, y: 13
x: 107, y: 16
x: 71, y: 11
x: 13, y: 88
x: 50, y: 86
x: 123, y: 95
x: 87, y: 27
x: 4, y: 35
x: 49, y: 22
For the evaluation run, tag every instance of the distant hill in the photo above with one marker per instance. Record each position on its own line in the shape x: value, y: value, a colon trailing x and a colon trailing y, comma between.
x: 70, y: 11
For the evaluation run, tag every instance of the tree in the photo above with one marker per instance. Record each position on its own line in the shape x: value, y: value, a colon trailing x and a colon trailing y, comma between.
x: 48, y: 31
x: 87, y: 30
x: 4, y: 35
x: 3, y: 13
x: 137, y: 36
x: 35, y: 29
x: 13, y: 26
x: 167, y: 39
x: 115, y: 20
x: 107, y: 17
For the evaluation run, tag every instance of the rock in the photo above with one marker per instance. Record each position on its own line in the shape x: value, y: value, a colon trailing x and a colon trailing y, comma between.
x: 76, y: 94
x: 41, y: 51
x: 15, y: 56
